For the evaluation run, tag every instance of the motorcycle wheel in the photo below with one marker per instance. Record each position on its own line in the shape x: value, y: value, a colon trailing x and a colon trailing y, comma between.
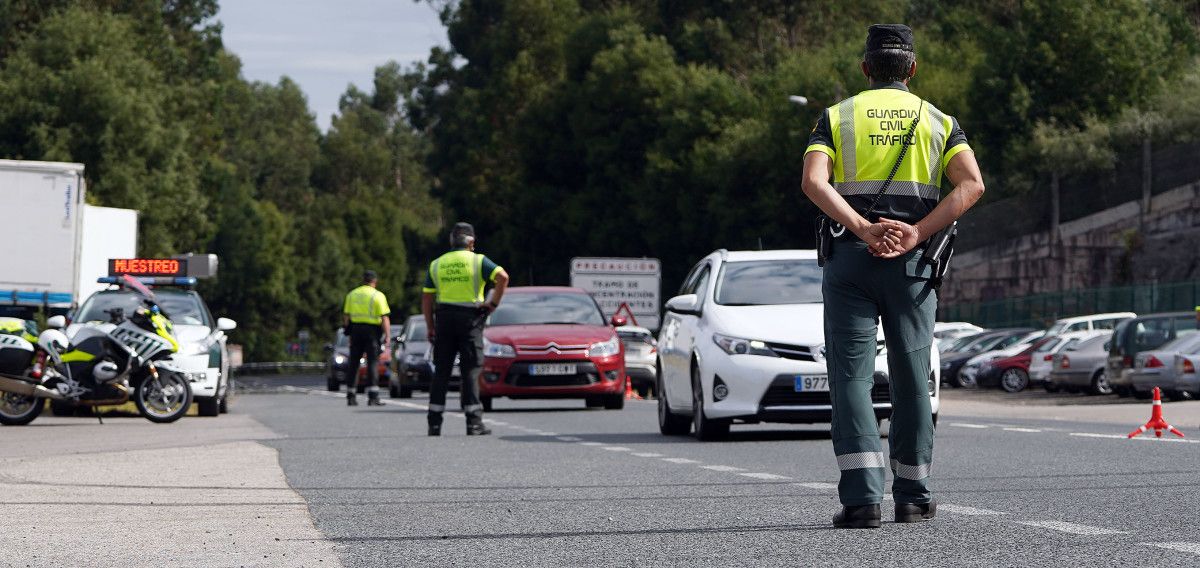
x: 165, y: 400
x: 18, y: 409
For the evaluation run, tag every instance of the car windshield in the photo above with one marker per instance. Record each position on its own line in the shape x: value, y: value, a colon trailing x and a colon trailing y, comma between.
x: 547, y: 308
x: 343, y: 340
x: 182, y: 308
x: 416, y: 332
x: 1188, y: 344
x: 769, y: 283
x: 1010, y: 340
x: 962, y: 342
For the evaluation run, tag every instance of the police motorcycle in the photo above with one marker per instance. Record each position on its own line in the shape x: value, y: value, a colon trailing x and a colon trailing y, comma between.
x: 103, y: 364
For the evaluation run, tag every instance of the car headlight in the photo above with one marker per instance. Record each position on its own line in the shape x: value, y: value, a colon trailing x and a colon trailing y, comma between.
x: 499, y: 350
x: 339, y: 359
x: 738, y: 346
x: 605, y: 348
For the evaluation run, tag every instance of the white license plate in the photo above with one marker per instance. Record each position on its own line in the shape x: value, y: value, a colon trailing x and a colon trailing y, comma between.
x: 812, y: 383
x: 552, y: 369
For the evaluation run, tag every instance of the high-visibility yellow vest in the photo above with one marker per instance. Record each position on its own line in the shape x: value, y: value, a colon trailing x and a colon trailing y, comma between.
x: 868, y: 131
x: 458, y: 278
x: 366, y: 305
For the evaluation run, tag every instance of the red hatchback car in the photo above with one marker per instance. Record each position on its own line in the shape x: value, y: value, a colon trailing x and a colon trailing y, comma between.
x: 551, y: 342
x: 1010, y: 373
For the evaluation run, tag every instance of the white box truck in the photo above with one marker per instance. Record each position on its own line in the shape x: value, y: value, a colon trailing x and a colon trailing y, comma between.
x: 58, y: 245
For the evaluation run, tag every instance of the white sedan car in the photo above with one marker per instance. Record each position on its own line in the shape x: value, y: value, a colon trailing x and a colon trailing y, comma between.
x: 744, y: 341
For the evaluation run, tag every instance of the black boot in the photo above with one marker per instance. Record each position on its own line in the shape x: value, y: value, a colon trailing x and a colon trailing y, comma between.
x: 351, y: 400
x: 435, y: 429
x: 914, y: 513
x: 373, y: 399
x: 478, y: 430
x: 861, y: 517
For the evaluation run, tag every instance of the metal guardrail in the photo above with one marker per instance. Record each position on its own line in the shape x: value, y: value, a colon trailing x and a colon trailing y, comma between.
x: 279, y: 368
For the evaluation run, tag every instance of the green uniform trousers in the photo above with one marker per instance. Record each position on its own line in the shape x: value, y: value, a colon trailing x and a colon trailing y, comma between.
x: 860, y: 290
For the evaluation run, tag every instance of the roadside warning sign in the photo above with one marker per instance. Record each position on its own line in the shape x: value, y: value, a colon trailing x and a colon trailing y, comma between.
x: 635, y: 282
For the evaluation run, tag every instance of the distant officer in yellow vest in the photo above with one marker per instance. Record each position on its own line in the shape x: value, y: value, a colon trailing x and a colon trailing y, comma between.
x: 366, y: 322
x: 454, y: 311
x: 886, y: 150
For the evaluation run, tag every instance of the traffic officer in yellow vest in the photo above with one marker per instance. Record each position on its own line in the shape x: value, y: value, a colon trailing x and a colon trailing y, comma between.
x: 875, y: 269
x: 369, y: 327
x: 454, y: 309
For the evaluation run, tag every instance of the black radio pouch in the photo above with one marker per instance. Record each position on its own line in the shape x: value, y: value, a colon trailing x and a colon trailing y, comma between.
x: 938, y: 251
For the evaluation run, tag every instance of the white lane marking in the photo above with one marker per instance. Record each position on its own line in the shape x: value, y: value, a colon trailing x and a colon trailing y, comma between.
x: 1192, y: 547
x: 646, y: 455
x: 679, y: 460
x: 548, y: 434
x: 964, y: 510
x: 1031, y: 430
x: 721, y: 468
x: 768, y: 476
x: 1071, y: 528
x: 616, y: 449
x: 591, y: 443
x: 965, y: 425
x: 1091, y: 435
x: 817, y: 485
x: 569, y: 438
x: 497, y: 422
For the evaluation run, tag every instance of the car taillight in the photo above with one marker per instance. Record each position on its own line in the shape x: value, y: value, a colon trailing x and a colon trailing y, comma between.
x: 1047, y: 357
x: 1186, y: 366
x: 1066, y: 362
x: 1153, y: 362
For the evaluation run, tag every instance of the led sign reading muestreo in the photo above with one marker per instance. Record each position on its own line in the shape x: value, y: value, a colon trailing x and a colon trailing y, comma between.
x: 147, y: 267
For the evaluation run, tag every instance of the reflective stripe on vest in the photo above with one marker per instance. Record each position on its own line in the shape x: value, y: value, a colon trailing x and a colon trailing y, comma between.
x: 867, y: 130
x: 454, y: 285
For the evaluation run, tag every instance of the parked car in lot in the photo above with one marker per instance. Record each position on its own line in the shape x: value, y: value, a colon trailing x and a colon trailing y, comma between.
x: 1161, y: 367
x: 968, y: 375
x: 949, y: 331
x: 1139, y: 334
x: 641, y: 353
x: 552, y: 343
x: 1081, y: 367
x: 952, y: 362
x: 1043, y: 356
x: 1011, y: 372
x: 744, y: 342
x: 959, y: 344
x: 341, y: 369
x: 1092, y: 322
x: 1189, y: 379
x: 414, y: 361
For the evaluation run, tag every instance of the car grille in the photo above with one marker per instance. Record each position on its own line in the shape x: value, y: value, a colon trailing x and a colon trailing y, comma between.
x: 518, y: 375
x: 796, y: 352
x: 552, y: 349
x: 783, y: 393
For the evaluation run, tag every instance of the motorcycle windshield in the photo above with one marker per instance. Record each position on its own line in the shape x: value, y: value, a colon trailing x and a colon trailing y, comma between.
x: 134, y: 284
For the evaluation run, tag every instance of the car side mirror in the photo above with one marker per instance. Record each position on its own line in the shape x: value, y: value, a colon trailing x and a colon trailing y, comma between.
x: 226, y: 324
x: 687, y: 304
x: 56, y: 322
x: 619, y: 321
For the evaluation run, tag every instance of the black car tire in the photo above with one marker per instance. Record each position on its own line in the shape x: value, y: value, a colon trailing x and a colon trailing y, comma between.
x: 1014, y: 380
x: 705, y: 429
x: 959, y: 383
x: 669, y: 423
x: 1051, y: 387
x: 486, y: 402
x: 1100, y: 384
x: 225, y: 404
x: 1122, y: 392
x: 405, y: 392
x: 614, y: 402
x: 208, y: 406
x: 1140, y: 395
x: 593, y: 402
x: 332, y: 384
x: 393, y: 391
x: 1177, y: 395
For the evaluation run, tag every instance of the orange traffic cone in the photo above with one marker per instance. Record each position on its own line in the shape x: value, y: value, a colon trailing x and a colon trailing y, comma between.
x: 631, y: 394
x: 1156, y: 422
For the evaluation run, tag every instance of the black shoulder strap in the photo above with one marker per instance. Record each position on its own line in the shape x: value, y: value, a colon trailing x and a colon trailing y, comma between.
x: 908, y: 138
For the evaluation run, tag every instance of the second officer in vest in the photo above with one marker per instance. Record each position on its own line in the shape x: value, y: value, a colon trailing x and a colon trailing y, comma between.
x: 365, y: 315
x: 454, y: 309
x: 875, y: 269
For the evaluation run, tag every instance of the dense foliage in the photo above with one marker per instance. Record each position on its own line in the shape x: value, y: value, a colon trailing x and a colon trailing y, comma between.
x: 560, y: 128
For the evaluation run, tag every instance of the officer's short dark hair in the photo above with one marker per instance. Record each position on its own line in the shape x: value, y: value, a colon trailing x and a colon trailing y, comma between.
x: 889, y: 65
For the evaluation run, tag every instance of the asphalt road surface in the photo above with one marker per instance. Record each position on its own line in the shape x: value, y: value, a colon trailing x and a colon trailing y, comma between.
x: 558, y: 485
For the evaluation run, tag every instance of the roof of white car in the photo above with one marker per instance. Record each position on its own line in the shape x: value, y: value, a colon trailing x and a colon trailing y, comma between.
x: 790, y: 254
x: 1112, y: 315
x: 633, y: 328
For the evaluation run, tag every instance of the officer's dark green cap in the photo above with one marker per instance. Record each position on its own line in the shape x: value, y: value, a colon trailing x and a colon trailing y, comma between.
x: 889, y: 36
x: 370, y: 276
x: 462, y: 229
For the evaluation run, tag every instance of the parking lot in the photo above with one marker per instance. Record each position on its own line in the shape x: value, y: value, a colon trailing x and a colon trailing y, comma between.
x: 292, y: 477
